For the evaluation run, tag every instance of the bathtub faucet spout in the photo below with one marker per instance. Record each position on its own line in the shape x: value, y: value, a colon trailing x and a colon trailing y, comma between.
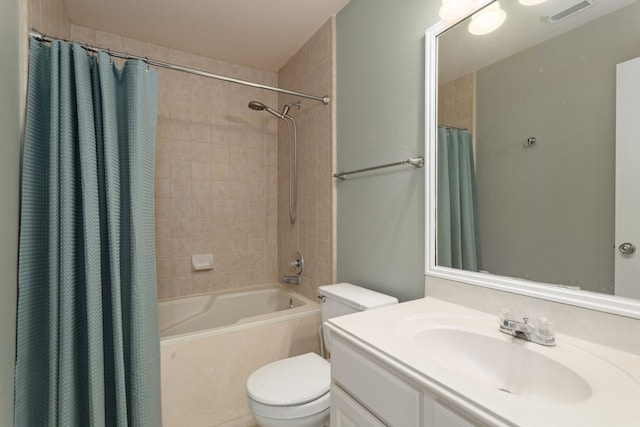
x: 292, y: 280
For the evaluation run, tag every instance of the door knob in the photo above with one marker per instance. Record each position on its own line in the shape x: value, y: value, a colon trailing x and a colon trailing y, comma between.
x: 627, y: 248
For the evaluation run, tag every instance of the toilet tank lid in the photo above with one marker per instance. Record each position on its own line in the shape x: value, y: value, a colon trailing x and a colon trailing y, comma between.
x: 356, y: 296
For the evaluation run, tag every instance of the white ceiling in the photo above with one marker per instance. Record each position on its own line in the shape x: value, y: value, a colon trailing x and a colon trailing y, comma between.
x: 263, y: 34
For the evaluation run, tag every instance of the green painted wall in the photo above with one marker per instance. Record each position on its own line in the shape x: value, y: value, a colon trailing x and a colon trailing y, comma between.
x: 380, y: 119
x: 10, y: 134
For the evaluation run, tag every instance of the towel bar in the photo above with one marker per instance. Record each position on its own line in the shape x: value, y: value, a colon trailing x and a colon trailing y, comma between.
x: 416, y: 161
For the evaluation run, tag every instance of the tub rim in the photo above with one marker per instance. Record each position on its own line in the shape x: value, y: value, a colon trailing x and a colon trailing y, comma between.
x: 309, y: 308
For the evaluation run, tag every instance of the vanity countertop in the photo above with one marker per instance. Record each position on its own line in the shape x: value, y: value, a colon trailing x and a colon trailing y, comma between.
x: 607, y: 381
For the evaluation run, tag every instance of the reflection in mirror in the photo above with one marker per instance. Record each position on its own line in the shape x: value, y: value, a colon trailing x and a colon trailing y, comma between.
x: 529, y: 117
x: 458, y: 241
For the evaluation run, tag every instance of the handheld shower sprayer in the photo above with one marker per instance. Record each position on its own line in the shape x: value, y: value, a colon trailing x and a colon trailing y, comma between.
x: 291, y: 125
x: 259, y: 106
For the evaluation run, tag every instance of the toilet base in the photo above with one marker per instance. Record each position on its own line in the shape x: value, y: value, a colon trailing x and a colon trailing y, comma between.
x: 320, y: 419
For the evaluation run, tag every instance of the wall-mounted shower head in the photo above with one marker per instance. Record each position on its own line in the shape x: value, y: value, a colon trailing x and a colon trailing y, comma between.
x: 286, y: 108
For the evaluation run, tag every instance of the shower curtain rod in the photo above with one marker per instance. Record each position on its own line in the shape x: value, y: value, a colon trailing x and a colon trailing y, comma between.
x: 44, y: 38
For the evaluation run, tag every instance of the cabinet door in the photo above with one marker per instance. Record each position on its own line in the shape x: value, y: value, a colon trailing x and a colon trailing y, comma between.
x: 390, y: 397
x: 445, y: 417
x: 346, y: 412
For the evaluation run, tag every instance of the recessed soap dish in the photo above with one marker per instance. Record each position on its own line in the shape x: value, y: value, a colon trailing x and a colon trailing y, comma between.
x: 202, y: 262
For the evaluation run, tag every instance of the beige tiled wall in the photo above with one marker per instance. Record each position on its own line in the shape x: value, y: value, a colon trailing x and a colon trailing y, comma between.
x: 311, y: 70
x: 456, y: 102
x: 216, y: 172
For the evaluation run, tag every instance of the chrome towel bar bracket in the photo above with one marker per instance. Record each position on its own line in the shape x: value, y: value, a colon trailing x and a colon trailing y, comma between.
x: 415, y: 161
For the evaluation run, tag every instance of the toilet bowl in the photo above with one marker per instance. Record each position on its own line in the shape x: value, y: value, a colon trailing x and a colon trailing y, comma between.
x: 294, y: 392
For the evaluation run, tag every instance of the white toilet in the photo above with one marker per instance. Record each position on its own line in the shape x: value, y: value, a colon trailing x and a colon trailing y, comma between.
x: 294, y: 392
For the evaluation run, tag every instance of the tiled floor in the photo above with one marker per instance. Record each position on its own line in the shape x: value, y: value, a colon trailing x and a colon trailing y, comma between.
x: 247, y: 421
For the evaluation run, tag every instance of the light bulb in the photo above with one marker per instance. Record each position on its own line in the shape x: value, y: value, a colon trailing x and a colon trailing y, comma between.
x: 455, y: 9
x: 487, y: 20
x: 531, y: 2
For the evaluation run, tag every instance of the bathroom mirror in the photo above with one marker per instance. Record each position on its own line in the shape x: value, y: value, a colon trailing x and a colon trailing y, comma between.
x: 541, y: 103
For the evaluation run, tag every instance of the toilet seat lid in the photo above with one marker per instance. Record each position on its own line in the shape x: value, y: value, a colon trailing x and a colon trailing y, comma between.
x: 290, y: 381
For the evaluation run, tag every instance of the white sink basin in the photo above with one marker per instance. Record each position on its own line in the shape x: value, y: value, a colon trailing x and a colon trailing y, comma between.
x: 460, y: 355
x: 503, y: 363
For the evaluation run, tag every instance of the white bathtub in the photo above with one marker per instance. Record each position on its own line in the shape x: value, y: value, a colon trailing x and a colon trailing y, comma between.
x: 207, y: 314
x: 211, y: 343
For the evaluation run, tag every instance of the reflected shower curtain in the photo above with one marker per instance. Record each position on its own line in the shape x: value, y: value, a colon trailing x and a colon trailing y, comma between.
x: 87, y: 336
x: 458, y: 242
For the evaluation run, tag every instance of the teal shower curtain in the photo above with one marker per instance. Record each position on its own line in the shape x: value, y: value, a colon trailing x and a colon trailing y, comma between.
x: 458, y: 241
x: 87, y: 335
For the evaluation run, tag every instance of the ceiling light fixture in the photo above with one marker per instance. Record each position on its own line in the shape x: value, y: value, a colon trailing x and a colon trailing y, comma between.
x: 531, y: 2
x: 455, y: 9
x: 487, y: 20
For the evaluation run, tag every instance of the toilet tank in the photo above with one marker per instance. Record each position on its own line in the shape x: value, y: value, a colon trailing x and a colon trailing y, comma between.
x: 345, y: 298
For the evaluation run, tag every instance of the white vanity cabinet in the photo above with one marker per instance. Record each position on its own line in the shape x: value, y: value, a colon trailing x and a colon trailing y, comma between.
x: 365, y: 392
x: 430, y: 363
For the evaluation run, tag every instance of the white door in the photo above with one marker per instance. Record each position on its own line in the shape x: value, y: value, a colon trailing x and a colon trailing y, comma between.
x: 627, y: 234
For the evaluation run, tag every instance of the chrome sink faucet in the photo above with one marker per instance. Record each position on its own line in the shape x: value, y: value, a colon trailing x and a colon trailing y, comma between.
x: 540, y: 331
